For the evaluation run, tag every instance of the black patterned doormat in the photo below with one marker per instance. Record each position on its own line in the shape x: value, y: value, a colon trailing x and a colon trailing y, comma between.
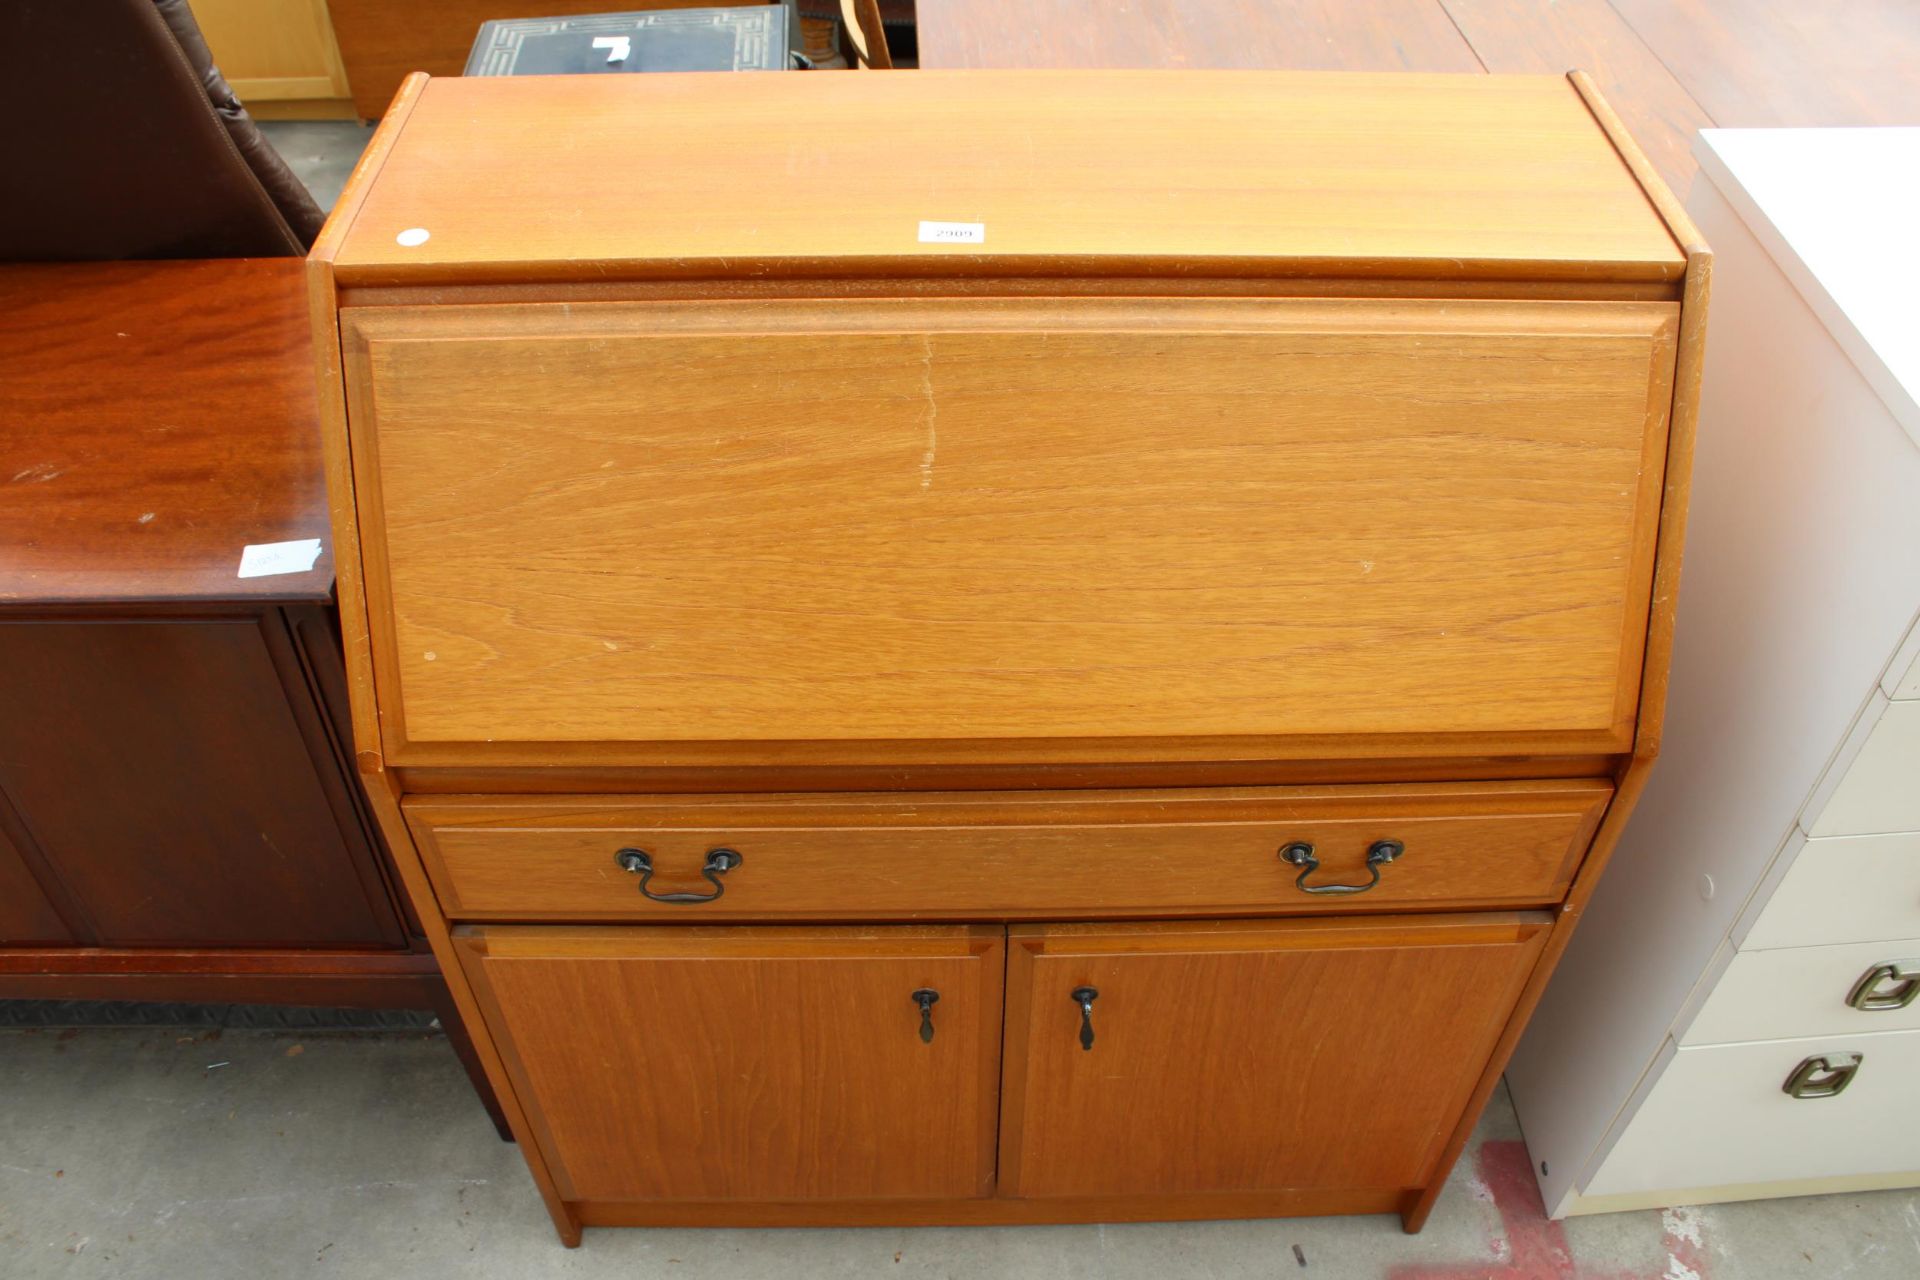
x: 259, y: 1017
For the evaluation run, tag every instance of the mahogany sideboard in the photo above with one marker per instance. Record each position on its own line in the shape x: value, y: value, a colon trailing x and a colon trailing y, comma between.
x: 1079, y: 664
x: 178, y: 820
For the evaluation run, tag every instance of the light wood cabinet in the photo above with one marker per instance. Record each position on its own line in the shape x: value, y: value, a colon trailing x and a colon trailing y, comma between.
x: 752, y: 1064
x: 1234, y: 577
x: 279, y: 55
x: 1364, y: 1040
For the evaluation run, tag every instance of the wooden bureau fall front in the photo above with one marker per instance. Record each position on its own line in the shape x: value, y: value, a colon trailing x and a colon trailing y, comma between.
x: 1058, y: 646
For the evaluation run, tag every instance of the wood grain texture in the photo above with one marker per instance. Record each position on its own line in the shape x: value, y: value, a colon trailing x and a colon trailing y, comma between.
x: 26, y: 914
x: 1077, y: 855
x: 1632, y: 771
x: 323, y: 315
x: 159, y: 417
x: 1310, y: 1202
x: 1762, y: 63
x: 1063, y: 772
x: 161, y: 768
x: 1328, y: 35
x: 1365, y: 1039
x: 381, y: 42
x: 751, y: 1064
x: 1084, y: 173
x: 383, y: 798
x: 1531, y: 36
x: 988, y: 522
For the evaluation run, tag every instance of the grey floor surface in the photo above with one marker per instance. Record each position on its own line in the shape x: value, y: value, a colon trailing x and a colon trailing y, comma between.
x: 134, y: 1153
x: 321, y: 152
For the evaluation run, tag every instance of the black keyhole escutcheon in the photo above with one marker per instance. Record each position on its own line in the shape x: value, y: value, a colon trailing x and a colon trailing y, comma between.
x: 925, y: 997
x: 1084, y: 997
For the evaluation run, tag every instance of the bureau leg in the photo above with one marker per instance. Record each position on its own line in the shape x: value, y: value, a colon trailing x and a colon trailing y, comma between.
x: 456, y: 1030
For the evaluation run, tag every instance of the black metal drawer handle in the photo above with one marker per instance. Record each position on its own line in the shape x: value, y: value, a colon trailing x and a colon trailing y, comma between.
x: 1300, y: 854
x: 1869, y: 995
x: 719, y: 861
x: 1825, y: 1076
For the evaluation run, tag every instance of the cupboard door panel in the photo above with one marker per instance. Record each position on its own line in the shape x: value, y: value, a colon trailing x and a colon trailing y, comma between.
x: 657, y: 527
x: 25, y: 914
x: 160, y: 767
x: 698, y: 1063
x: 1244, y: 1056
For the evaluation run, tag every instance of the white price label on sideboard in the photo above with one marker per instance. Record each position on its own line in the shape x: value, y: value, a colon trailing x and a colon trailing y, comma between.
x: 953, y: 232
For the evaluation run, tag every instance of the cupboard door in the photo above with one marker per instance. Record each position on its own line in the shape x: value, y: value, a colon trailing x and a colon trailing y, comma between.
x: 1246, y: 1056
x: 25, y: 914
x: 703, y: 1064
x: 171, y: 772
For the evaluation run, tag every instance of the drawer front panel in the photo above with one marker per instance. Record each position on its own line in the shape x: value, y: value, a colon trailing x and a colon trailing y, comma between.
x: 750, y: 1064
x: 1032, y: 856
x: 691, y: 531
x: 1844, y: 889
x: 1718, y: 1117
x: 1880, y: 791
x: 1205, y: 1057
x: 1803, y: 991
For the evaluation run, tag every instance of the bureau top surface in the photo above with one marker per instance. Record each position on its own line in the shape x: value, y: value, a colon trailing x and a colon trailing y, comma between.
x: 1035, y: 173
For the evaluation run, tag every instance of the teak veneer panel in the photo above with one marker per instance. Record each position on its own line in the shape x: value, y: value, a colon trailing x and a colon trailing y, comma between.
x: 1060, y: 855
x: 1240, y: 1056
x: 858, y: 522
x: 751, y: 1064
x: 1104, y: 173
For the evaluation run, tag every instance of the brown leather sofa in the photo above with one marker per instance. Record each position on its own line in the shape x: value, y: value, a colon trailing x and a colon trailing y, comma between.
x: 123, y: 141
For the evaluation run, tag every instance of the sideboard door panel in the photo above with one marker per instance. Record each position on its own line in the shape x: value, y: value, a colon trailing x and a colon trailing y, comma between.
x: 160, y: 768
x: 1014, y: 520
x: 1249, y: 1056
x: 688, y: 1063
x: 25, y: 914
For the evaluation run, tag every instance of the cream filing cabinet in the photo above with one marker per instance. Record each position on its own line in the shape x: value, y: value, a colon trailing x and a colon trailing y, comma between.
x: 1738, y: 1018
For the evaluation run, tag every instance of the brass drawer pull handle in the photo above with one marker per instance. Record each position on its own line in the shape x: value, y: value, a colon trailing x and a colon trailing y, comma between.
x: 1084, y: 997
x: 1867, y: 995
x: 926, y: 998
x: 719, y: 861
x: 1300, y: 854
x: 1826, y: 1076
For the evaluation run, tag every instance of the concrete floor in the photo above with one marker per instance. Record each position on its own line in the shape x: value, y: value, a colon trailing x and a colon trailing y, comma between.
x: 321, y: 152
x: 134, y: 1153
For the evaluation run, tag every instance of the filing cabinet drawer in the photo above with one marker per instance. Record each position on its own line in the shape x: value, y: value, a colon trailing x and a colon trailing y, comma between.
x: 1805, y: 991
x: 1041, y: 855
x: 1844, y: 889
x: 1720, y: 1117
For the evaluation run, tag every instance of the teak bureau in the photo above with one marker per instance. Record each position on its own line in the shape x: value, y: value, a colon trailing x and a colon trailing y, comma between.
x: 1056, y: 646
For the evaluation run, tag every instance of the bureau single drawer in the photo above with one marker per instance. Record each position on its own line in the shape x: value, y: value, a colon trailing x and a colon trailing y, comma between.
x: 912, y: 531
x: 1813, y: 991
x: 1044, y: 855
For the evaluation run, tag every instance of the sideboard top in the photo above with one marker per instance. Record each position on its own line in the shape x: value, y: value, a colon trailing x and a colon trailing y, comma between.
x: 996, y: 173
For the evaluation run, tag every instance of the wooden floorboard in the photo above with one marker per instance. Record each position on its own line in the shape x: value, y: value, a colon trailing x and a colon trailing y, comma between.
x: 1333, y: 35
x: 1758, y: 63
x: 1668, y: 67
